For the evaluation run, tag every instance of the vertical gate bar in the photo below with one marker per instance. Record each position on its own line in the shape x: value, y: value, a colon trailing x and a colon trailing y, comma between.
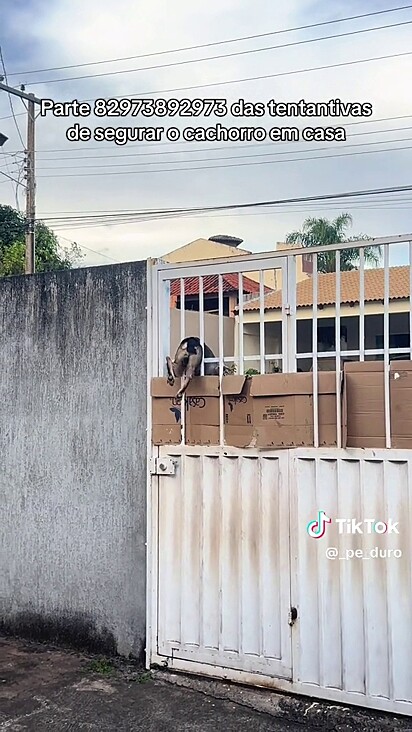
x: 315, y: 351
x: 259, y: 541
x: 183, y: 407
x: 240, y: 464
x: 182, y: 309
x: 163, y: 325
x: 219, y: 531
x: 151, y: 554
x: 153, y: 316
x: 289, y: 317
x: 262, y: 322
x: 386, y: 344
x: 410, y: 299
x: 182, y: 509
x: 361, y: 304
x: 201, y: 458
x: 221, y: 357
x: 182, y: 335
x: 201, y: 323
x: 240, y: 329
x: 337, y: 349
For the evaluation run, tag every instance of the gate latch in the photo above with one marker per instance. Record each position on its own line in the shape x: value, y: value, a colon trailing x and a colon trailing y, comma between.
x: 163, y: 466
x: 293, y: 615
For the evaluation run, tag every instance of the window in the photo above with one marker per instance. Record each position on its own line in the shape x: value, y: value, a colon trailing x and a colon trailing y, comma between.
x: 396, y: 340
x: 326, y: 337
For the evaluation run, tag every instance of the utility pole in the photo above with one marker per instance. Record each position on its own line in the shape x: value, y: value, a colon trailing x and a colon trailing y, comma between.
x: 30, y: 190
x: 30, y: 173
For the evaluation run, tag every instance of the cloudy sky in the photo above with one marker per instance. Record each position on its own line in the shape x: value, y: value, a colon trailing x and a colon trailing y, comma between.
x: 74, y: 178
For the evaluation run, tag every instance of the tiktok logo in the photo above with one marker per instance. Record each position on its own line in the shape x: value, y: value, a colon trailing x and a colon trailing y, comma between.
x: 317, y: 529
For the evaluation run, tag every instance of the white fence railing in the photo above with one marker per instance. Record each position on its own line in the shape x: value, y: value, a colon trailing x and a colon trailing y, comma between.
x: 279, y: 328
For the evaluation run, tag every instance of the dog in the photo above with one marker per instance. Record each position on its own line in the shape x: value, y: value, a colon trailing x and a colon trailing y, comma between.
x: 187, y: 362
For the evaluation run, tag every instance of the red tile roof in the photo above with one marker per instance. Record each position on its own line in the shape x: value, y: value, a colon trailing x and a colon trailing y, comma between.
x: 230, y: 283
x: 349, y: 289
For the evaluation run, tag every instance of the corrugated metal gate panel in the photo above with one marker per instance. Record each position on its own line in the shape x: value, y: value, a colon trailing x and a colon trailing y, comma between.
x: 355, y: 614
x: 224, y: 579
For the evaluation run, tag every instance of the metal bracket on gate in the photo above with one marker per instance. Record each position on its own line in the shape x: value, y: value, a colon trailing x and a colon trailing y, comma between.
x: 293, y: 615
x: 163, y: 466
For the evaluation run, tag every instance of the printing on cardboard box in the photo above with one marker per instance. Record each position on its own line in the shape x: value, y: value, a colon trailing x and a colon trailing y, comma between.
x: 201, y: 412
x: 276, y: 410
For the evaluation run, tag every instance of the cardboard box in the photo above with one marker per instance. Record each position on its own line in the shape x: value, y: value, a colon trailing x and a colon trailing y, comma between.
x: 364, y: 404
x: 283, y: 410
x: 400, y: 380
x: 166, y: 413
x: 238, y: 410
x: 327, y: 408
x: 203, y: 411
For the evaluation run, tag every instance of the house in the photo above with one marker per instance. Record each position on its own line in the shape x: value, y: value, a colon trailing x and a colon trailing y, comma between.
x: 230, y: 288
x: 399, y: 316
x: 216, y: 247
x: 222, y: 246
x: 219, y: 247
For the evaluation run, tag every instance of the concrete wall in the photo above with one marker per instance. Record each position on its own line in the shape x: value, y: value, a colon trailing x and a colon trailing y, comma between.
x: 73, y: 457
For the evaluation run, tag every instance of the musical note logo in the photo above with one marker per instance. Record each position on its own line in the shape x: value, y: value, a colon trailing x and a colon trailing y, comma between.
x: 316, y: 529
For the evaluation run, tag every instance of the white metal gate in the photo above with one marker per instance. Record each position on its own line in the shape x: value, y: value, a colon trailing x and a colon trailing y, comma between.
x: 220, y: 523
x: 224, y: 587
x: 229, y: 557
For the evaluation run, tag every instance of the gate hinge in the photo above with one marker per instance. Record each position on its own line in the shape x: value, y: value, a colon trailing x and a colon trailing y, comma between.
x: 293, y: 615
x: 163, y: 466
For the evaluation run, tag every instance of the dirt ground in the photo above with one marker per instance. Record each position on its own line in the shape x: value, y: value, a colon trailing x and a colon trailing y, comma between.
x: 45, y: 688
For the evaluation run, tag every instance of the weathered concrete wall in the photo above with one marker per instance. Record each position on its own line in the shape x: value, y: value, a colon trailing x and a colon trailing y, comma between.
x: 73, y: 456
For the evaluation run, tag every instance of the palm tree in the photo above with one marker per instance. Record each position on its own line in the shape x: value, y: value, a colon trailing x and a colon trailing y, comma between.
x: 321, y: 232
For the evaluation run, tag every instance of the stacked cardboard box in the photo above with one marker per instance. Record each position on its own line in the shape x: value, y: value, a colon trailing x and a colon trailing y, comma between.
x: 201, y: 416
x: 277, y: 411
x: 364, y: 404
x: 166, y: 413
x: 401, y: 404
x: 203, y: 411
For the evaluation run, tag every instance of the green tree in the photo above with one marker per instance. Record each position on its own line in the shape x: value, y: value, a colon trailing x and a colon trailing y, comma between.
x: 321, y: 232
x: 49, y: 254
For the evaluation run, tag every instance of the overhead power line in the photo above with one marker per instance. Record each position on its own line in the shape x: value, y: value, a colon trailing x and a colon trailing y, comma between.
x: 171, y: 144
x: 228, y: 165
x: 83, y: 246
x: 13, y: 114
x: 403, y: 201
x: 187, y: 150
x: 258, y: 78
x: 233, y: 157
x: 214, y: 43
x: 308, y: 209
x: 6, y: 175
x: 402, y: 197
x: 220, y: 56
x: 10, y: 116
x: 95, y: 251
x: 255, y: 204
